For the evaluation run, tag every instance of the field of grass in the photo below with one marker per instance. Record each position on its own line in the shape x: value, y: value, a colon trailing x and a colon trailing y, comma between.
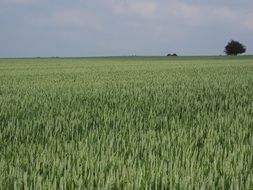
x: 126, y: 123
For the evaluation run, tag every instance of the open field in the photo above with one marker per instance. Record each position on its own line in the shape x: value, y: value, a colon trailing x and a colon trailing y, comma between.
x: 126, y: 123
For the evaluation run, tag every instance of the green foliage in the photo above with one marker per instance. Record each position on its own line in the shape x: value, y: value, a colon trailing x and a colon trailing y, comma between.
x: 126, y: 123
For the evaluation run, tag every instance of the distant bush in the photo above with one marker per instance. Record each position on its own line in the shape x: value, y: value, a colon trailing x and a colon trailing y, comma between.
x: 174, y: 54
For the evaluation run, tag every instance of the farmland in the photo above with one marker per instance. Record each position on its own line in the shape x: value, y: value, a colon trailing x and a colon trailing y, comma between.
x: 126, y: 123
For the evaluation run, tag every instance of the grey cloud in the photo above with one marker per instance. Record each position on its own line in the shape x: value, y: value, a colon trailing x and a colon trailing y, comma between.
x: 122, y: 27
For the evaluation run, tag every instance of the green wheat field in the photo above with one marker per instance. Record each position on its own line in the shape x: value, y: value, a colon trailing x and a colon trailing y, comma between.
x: 126, y: 123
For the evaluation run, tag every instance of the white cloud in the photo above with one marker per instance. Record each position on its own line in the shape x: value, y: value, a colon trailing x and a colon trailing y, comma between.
x: 201, y: 15
x: 145, y: 9
x: 184, y: 11
x: 189, y: 13
x: 68, y: 18
x: 247, y: 21
x: 138, y: 7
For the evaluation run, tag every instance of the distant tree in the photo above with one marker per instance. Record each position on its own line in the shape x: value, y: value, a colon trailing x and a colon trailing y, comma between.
x: 169, y: 54
x: 234, y: 48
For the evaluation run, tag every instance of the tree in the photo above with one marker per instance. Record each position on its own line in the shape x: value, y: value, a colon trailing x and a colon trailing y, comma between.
x: 234, y: 48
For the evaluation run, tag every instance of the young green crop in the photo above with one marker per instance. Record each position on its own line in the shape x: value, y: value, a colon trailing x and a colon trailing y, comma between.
x: 126, y: 123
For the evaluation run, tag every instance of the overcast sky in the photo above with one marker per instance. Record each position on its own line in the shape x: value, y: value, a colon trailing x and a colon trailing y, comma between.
x: 123, y: 27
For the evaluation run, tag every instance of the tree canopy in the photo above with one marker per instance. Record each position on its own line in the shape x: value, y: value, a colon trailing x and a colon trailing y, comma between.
x: 234, y: 48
